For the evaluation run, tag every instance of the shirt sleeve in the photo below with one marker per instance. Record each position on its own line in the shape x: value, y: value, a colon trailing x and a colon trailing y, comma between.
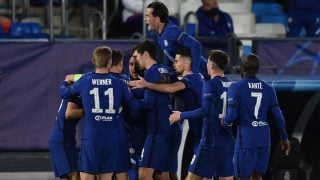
x: 186, y: 81
x: 278, y: 116
x: 207, y: 103
x: 148, y: 100
x: 67, y: 92
x: 232, y: 108
x: 131, y: 102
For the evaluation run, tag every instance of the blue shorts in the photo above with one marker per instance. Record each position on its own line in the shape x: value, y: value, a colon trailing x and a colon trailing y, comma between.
x: 249, y: 160
x: 64, y: 158
x: 160, y: 151
x: 212, y: 161
x: 104, y: 156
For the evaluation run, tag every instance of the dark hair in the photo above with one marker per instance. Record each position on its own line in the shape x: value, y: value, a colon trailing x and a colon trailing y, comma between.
x: 250, y: 65
x: 117, y: 57
x: 184, y: 52
x: 220, y: 58
x: 160, y: 10
x: 146, y: 46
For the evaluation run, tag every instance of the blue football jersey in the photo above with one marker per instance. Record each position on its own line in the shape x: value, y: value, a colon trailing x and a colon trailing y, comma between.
x: 249, y: 102
x: 159, y: 105
x: 192, y: 99
x: 122, y: 77
x: 102, y: 97
x: 213, y: 111
x: 173, y: 38
x: 65, y: 130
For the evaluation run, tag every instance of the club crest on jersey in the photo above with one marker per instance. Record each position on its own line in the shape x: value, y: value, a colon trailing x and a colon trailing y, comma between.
x: 165, y: 42
x: 163, y: 70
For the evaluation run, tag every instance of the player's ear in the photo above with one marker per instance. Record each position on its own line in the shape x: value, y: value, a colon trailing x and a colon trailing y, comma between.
x: 145, y: 53
x: 93, y: 61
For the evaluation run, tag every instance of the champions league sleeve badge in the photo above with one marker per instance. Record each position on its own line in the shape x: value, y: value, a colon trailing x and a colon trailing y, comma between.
x: 165, y: 42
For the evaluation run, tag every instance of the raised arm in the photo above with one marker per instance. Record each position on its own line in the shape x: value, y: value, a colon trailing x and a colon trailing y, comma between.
x: 67, y: 91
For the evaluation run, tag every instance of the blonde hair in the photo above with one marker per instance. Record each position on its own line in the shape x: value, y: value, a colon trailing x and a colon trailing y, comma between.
x: 102, y: 56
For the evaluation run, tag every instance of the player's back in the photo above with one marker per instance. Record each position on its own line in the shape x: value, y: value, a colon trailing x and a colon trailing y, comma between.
x: 214, y: 134
x: 255, y: 97
x: 103, y: 96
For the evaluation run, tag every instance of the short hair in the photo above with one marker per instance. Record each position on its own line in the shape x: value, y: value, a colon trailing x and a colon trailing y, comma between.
x: 184, y: 52
x: 146, y: 46
x: 220, y: 58
x: 101, y: 56
x: 117, y: 57
x: 250, y: 65
x: 160, y: 10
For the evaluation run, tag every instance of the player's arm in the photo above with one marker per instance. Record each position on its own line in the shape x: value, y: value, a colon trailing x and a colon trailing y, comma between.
x: 204, y: 111
x: 232, y: 108
x: 280, y: 123
x: 73, y: 111
x: 195, y: 47
x: 166, y: 88
x: 198, y: 113
x: 130, y: 103
x: 148, y: 100
x: 67, y: 90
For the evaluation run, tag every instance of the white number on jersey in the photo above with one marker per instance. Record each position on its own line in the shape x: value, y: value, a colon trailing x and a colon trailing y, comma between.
x: 258, y: 103
x: 224, y: 107
x: 97, y: 108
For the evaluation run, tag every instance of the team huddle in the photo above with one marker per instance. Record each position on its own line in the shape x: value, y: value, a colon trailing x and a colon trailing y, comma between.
x: 132, y: 125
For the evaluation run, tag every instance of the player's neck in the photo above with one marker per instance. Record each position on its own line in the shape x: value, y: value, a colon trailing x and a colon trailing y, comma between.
x: 150, y: 62
x: 214, y: 74
x: 102, y: 70
x: 114, y: 70
x: 161, y: 27
x: 186, y: 72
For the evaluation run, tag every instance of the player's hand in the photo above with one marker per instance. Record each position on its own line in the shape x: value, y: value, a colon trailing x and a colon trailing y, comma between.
x: 69, y: 78
x: 141, y: 83
x: 285, y: 146
x: 174, y: 117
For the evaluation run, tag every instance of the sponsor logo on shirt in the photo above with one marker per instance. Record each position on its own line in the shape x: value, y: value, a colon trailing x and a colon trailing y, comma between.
x: 259, y: 123
x: 103, y: 118
x: 163, y: 70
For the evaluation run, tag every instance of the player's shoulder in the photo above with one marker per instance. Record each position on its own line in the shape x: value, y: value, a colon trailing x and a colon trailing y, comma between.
x: 267, y: 86
x: 159, y: 68
x: 172, y: 30
x: 238, y: 84
x: 87, y: 75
